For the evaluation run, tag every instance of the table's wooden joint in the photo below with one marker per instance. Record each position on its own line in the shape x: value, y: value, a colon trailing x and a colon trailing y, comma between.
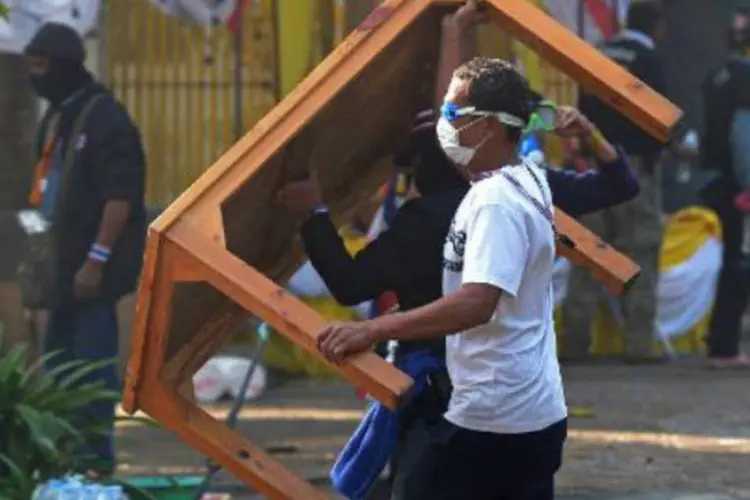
x: 254, y: 292
x: 240, y: 456
x: 582, y: 247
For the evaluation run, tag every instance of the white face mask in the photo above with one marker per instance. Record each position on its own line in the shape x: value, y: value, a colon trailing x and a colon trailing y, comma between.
x: 448, y: 137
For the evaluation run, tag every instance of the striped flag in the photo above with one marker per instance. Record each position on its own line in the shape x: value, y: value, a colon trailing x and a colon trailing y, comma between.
x: 233, y: 22
x: 601, y: 18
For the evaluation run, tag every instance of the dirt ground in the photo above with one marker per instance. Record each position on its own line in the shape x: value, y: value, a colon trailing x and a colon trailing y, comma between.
x: 673, y: 428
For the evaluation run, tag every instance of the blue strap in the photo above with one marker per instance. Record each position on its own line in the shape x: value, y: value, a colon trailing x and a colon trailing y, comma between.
x: 373, y: 442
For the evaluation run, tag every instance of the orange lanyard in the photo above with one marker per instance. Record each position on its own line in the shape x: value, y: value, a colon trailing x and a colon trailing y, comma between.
x: 42, y: 167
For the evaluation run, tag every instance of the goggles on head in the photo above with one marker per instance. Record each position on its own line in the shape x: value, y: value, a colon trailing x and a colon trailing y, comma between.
x: 543, y: 119
x: 451, y: 112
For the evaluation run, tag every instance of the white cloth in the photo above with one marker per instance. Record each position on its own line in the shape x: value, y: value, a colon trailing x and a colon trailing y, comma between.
x: 560, y: 277
x: 686, y: 291
x: 638, y: 37
x: 27, y: 16
x: 307, y: 283
x: 378, y: 224
x: 200, y: 12
x: 505, y: 374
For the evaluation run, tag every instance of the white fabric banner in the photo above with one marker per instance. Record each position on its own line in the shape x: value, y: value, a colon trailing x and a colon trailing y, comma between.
x: 27, y: 16
x: 307, y: 283
x: 200, y: 12
x: 598, y: 16
x: 686, y: 291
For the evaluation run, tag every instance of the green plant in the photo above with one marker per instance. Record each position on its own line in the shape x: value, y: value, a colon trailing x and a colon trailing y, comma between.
x: 40, y: 438
x: 4, y: 10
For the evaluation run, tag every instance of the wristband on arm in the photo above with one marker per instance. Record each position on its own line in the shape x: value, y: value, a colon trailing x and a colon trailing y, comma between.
x: 321, y: 209
x: 99, y: 253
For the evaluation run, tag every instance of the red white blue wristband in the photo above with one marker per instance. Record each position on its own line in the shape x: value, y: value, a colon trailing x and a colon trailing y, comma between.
x: 99, y: 253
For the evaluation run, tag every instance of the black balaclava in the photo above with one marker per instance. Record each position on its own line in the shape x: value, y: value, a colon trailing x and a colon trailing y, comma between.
x: 67, y: 74
x: 434, y: 173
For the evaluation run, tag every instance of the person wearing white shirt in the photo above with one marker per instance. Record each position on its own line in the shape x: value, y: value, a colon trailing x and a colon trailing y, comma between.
x: 503, y: 433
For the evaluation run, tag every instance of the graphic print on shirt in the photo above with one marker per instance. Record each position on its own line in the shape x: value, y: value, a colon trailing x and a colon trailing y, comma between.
x: 455, y: 246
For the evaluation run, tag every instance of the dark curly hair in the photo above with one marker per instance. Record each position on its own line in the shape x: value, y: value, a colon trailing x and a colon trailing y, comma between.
x: 496, y: 85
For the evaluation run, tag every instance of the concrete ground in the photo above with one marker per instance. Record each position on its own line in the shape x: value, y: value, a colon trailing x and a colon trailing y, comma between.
x: 638, y: 432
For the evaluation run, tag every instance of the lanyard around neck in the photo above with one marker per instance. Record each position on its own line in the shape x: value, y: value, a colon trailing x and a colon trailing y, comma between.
x: 544, y: 207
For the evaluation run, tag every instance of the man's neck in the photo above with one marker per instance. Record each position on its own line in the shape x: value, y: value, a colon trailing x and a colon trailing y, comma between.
x: 496, y: 162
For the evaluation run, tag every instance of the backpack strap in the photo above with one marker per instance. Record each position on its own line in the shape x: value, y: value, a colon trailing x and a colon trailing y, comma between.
x: 78, y: 125
x: 70, y: 150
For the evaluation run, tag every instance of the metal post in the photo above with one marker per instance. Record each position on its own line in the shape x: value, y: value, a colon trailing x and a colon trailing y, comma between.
x: 102, y: 40
x: 616, y: 15
x: 231, y: 421
x: 327, y: 23
x: 581, y: 21
x: 276, y: 20
x: 238, y: 71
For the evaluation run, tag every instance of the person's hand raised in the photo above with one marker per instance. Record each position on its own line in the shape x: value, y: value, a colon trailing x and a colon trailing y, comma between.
x: 467, y: 17
x: 570, y: 122
x: 301, y: 197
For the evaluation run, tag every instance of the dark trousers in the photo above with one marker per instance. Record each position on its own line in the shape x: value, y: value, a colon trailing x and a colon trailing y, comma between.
x: 464, y: 464
x: 88, y: 331
x: 418, y: 422
x: 408, y: 477
x: 732, y: 291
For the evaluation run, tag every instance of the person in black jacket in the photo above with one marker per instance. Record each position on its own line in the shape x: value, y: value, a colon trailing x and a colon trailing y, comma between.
x: 726, y: 154
x: 635, y: 227
x: 90, y: 188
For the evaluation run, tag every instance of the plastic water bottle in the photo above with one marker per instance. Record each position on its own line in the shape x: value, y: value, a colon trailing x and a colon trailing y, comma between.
x: 684, y: 172
x: 75, y: 488
x: 690, y: 144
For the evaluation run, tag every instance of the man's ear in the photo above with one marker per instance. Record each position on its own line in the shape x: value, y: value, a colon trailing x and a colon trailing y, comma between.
x: 493, y: 127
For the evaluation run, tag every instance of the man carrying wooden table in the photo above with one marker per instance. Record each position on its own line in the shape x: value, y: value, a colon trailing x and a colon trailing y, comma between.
x: 503, y: 433
x: 407, y: 258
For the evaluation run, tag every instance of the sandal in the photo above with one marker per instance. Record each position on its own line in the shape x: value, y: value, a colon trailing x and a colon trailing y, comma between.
x: 739, y: 362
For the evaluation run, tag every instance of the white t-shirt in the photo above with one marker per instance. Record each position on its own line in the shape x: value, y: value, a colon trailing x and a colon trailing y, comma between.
x: 505, y: 374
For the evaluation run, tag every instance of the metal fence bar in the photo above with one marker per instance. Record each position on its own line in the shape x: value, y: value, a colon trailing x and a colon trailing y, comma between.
x: 192, y: 90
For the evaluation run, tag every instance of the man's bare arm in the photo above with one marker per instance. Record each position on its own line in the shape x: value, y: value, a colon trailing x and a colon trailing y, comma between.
x: 114, y: 218
x: 457, y: 45
x: 472, y: 305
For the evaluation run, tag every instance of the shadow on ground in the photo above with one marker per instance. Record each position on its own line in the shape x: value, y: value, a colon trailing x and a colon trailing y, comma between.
x: 676, y: 428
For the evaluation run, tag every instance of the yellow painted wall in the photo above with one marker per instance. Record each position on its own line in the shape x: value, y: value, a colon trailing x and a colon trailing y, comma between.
x: 178, y: 79
x: 296, y: 20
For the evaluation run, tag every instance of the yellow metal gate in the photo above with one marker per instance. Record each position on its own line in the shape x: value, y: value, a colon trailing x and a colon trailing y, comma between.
x: 179, y: 82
